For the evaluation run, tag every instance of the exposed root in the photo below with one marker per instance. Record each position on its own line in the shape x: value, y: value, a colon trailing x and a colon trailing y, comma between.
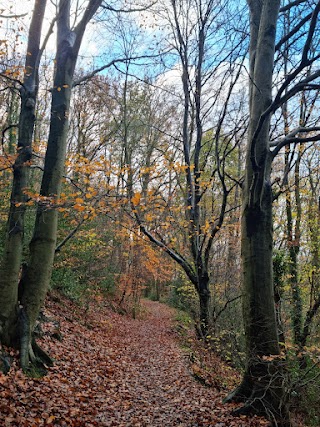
x: 262, y: 396
x: 257, y: 405
x: 34, y: 361
x: 4, y: 363
x: 241, y: 393
x: 41, y: 354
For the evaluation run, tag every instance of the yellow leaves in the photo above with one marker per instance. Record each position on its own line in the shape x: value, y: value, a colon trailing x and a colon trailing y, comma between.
x: 149, y: 217
x: 274, y: 357
x: 50, y: 419
x: 135, y: 200
x: 59, y: 88
x: 14, y: 72
x: 206, y: 227
x: 79, y: 208
x: 7, y: 160
x: 79, y: 200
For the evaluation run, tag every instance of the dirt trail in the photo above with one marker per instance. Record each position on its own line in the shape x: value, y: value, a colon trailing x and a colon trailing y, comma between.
x: 112, y: 370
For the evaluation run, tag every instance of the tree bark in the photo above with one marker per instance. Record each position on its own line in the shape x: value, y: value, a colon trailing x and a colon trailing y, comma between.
x: 293, y: 243
x: 262, y: 385
x: 42, y: 246
x: 204, y: 304
x: 11, y: 261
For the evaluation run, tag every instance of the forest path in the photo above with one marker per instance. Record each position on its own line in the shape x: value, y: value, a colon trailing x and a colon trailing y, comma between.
x: 112, y: 370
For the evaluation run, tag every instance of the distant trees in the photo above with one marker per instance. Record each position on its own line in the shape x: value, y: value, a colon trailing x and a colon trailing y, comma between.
x: 202, y: 137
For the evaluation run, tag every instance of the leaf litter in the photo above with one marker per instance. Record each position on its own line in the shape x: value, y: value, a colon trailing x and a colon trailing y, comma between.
x: 112, y: 370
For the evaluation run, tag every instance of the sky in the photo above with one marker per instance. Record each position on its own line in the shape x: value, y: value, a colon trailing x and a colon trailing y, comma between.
x: 9, y: 28
x: 104, y: 40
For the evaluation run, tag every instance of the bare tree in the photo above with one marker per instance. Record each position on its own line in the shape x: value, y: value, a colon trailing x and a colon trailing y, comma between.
x: 204, y: 143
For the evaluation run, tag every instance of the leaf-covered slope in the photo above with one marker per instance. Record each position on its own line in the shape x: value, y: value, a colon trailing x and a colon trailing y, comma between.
x: 111, y: 370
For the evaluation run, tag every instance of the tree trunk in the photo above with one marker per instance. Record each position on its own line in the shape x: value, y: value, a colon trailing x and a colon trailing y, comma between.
x: 204, y: 303
x: 262, y: 385
x: 35, y: 282
x: 293, y: 243
x: 11, y: 261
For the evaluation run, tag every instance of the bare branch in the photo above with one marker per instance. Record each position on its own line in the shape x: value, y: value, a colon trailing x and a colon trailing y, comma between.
x: 13, y: 16
x: 216, y: 316
x: 312, y: 28
x: 291, y: 138
x: 110, y: 64
x: 304, y: 84
x: 11, y: 79
x: 45, y: 41
x: 175, y: 256
x: 4, y: 132
x: 137, y: 9
x: 293, y: 31
x: 290, y: 5
x: 69, y: 236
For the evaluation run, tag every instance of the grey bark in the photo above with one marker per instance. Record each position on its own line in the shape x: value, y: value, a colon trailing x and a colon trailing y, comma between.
x: 261, y: 388
x: 42, y: 246
x: 11, y: 261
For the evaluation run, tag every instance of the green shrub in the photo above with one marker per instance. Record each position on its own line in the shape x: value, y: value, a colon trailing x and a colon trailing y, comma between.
x: 67, y: 282
x: 305, y: 389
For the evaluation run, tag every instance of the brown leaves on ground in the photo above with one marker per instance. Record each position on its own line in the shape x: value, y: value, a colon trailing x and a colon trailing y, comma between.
x: 112, y: 370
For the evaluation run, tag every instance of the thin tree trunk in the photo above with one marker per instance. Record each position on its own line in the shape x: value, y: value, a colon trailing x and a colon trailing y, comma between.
x: 314, y: 228
x: 293, y: 242
x: 204, y: 303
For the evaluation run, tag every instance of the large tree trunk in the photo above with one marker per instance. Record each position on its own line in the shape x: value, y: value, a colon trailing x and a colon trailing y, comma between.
x: 11, y: 261
x: 262, y: 385
x: 35, y: 282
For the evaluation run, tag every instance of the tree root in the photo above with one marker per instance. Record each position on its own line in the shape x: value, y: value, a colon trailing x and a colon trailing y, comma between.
x: 258, y: 404
x: 262, y: 396
x: 241, y: 393
x: 34, y: 361
x: 4, y: 363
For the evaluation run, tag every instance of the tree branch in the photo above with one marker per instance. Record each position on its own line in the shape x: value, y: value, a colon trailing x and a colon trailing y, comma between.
x: 291, y: 138
x: 290, y: 5
x: 110, y: 64
x: 13, y: 16
x: 293, y: 31
x: 113, y: 9
x: 216, y: 317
